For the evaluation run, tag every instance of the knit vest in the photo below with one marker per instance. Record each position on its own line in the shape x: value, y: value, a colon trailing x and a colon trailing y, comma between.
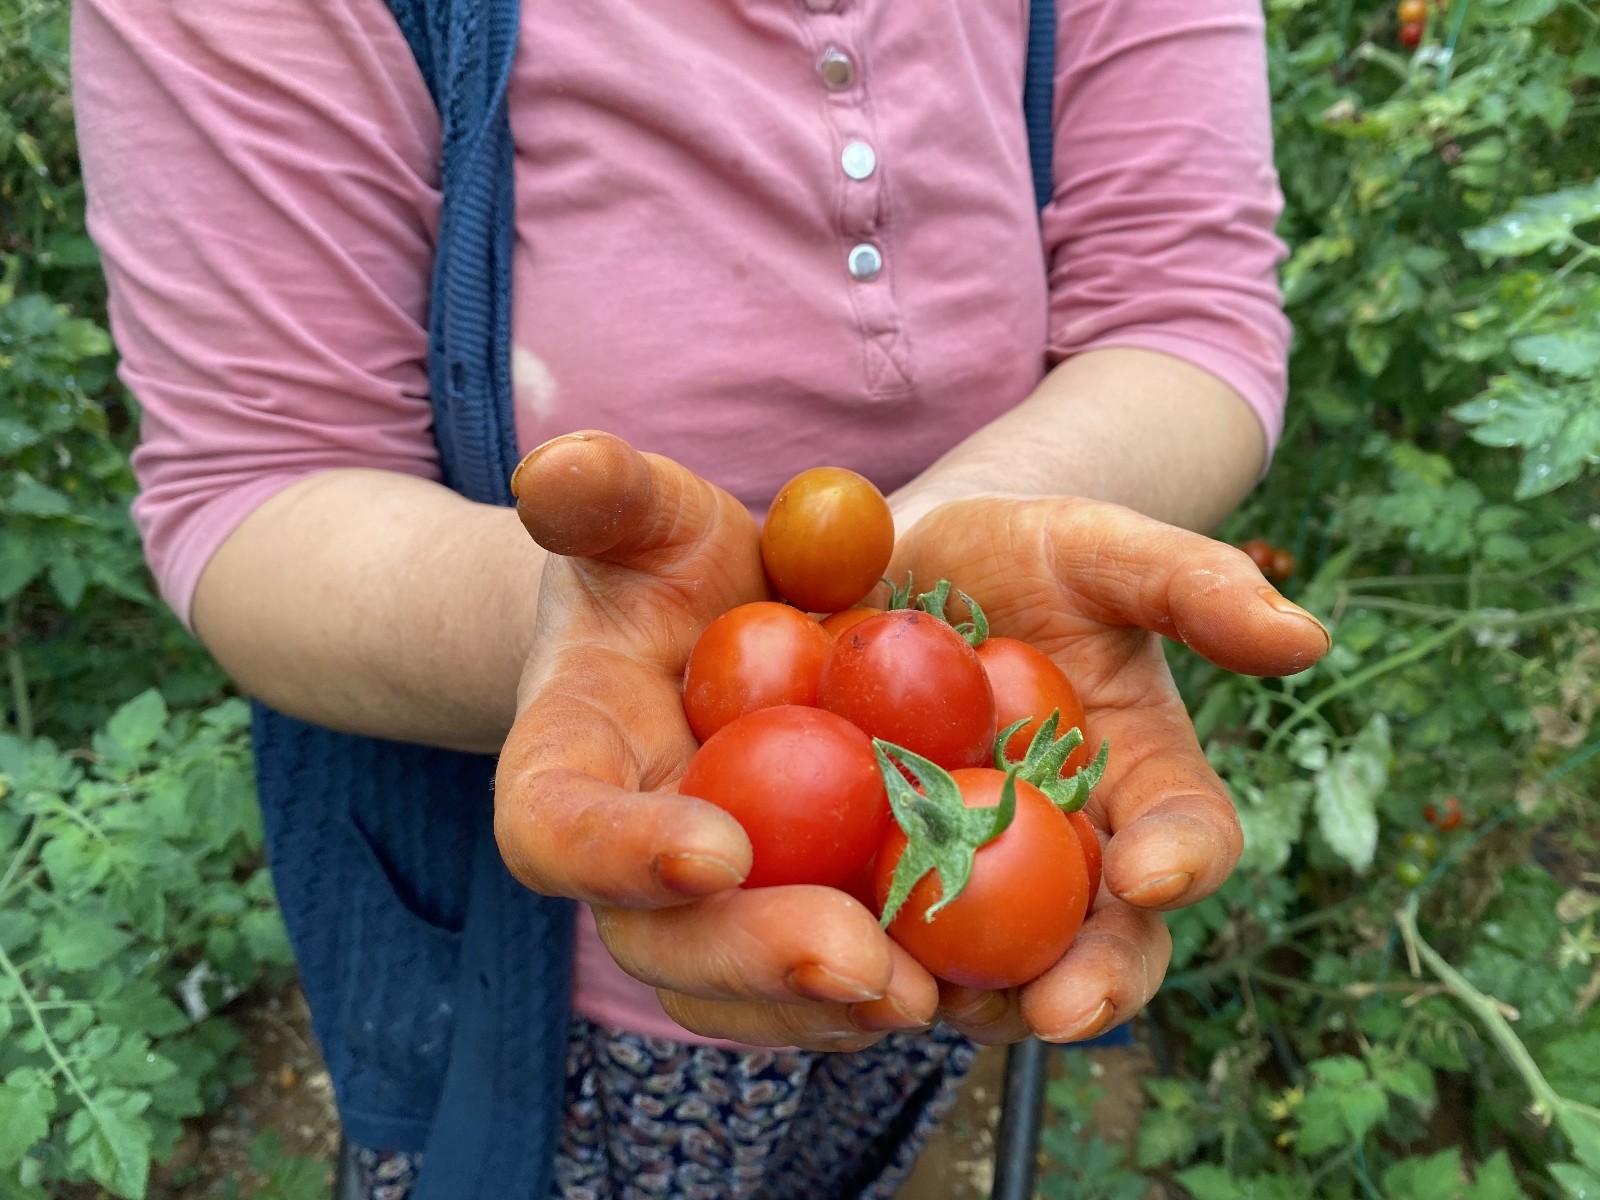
x: 438, y: 985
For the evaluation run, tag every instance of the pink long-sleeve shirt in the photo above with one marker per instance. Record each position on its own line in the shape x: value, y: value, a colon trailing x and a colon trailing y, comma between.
x: 752, y: 235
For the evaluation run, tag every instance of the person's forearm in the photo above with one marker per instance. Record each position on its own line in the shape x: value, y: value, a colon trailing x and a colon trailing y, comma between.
x: 377, y: 603
x: 1135, y: 427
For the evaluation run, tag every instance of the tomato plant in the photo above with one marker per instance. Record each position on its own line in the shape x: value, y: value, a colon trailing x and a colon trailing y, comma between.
x: 804, y: 785
x: 827, y: 539
x: 992, y: 901
x: 909, y: 678
x: 754, y: 656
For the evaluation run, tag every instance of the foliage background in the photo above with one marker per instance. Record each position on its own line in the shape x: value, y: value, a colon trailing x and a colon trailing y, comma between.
x: 1374, y: 1007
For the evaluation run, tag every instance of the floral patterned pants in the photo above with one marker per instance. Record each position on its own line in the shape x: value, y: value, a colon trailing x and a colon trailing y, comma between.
x: 652, y: 1119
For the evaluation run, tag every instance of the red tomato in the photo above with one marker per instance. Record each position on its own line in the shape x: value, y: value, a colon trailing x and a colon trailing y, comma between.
x: 1412, y: 11
x: 1443, y: 819
x: 1022, y: 905
x: 1089, y: 843
x: 1260, y: 552
x: 805, y: 786
x: 909, y: 678
x: 1027, y: 683
x: 753, y: 656
x: 1411, y: 34
x: 837, y: 623
x: 827, y: 539
x: 1283, y: 564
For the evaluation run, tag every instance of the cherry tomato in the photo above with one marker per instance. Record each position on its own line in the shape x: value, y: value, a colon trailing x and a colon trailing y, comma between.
x: 1420, y: 845
x: 1089, y: 843
x: 1260, y: 552
x: 1445, y: 818
x: 1027, y: 683
x: 753, y: 656
x: 1411, y: 34
x: 837, y: 623
x: 1410, y: 872
x: 909, y: 678
x: 1283, y: 564
x: 827, y: 539
x: 1412, y: 11
x: 1022, y: 905
x: 805, y: 786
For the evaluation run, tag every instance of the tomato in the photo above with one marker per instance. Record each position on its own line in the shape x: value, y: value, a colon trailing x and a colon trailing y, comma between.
x: 837, y: 623
x: 1283, y: 564
x: 1412, y: 11
x: 1410, y: 872
x: 1411, y: 34
x: 1260, y: 552
x: 909, y: 678
x: 805, y: 786
x: 1419, y: 845
x: 1027, y: 683
x: 753, y: 656
x: 1023, y: 903
x: 827, y: 539
x: 1089, y: 843
x: 1446, y: 818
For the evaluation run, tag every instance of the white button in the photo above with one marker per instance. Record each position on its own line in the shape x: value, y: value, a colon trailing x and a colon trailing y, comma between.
x: 858, y: 160
x: 865, y: 260
x: 837, y: 71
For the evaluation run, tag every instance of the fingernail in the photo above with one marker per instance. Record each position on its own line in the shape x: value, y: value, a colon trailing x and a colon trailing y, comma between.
x: 1087, y: 1028
x: 1160, y: 891
x: 885, y: 1016
x: 813, y: 981
x: 988, y: 1008
x: 1278, y: 602
x: 694, y: 874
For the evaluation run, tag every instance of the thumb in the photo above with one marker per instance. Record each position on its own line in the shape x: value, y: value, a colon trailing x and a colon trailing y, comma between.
x: 591, y: 495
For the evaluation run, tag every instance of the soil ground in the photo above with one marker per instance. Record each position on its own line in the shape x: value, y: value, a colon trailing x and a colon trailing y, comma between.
x: 291, y: 1095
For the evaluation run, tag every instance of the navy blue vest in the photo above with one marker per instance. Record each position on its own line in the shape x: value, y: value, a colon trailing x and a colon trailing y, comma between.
x: 439, y: 986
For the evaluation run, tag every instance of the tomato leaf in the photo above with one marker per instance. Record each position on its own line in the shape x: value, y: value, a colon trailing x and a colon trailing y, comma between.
x: 1046, y: 755
x: 942, y: 833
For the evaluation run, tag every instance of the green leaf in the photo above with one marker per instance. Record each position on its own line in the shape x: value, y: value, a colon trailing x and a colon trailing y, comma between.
x: 112, y: 1142
x: 1583, y: 1131
x: 79, y: 941
x: 20, y: 562
x: 1208, y: 1182
x: 30, y: 498
x: 1164, y: 1136
x: 1345, y: 795
x: 1575, y: 1181
x: 26, y: 1101
x: 1574, y: 353
x: 1436, y: 1177
x: 138, y: 723
x: 69, y: 580
x: 1272, y: 819
x: 1537, y: 223
x: 1496, y: 1180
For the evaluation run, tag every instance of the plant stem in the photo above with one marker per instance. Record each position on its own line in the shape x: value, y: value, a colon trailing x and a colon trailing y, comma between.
x: 9, y: 969
x: 1547, y: 1102
x: 24, y: 852
x: 1361, y: 678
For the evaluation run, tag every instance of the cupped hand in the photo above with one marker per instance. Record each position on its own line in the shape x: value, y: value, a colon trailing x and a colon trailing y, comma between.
x: 644, y: 555
x: 1097, y: 587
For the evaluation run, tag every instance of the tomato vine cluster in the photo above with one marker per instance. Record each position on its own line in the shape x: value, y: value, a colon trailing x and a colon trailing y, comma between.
x: 910, y: 761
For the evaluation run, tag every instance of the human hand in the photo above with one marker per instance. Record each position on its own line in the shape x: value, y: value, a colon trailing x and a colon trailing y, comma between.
x: 1096, y: 586
x: 644, y: 555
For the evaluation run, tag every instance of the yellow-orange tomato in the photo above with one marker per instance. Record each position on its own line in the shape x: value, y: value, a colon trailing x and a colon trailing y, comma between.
x: 827, y: 539
x: 1412, y: 10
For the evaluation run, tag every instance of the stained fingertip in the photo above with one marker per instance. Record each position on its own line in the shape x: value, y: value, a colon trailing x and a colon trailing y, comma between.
x: 888, y: 1015
x: 695, y: 874
x: 1081, y: 1028
x: 1280, y: 603
x: 581, y: 494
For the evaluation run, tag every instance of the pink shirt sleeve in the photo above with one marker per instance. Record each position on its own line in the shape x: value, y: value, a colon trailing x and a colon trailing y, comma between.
x: 227, y: 147
x: 1161, y: 230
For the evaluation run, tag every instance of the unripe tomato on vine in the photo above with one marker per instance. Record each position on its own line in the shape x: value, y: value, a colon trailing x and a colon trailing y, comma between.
x: 1412, y: 11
